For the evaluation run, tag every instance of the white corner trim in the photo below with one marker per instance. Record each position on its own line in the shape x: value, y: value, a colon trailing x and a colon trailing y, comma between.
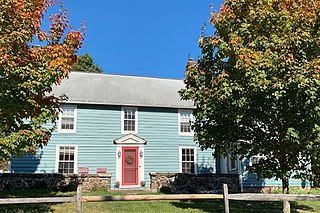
x: 10, y: 167
x: 75, y: 170
x: 136, y: 120
x: 75, y: 115
x: 195, y: 157
x: 179, y: 120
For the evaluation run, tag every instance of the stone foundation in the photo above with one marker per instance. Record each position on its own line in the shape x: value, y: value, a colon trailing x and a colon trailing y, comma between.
x: 62, y: 182
x: 191, y: 183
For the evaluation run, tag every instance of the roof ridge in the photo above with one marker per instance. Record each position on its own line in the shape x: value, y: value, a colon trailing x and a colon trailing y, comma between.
x: 125, y: 75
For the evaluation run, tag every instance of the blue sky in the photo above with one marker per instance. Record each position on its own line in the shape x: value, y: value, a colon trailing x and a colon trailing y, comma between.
x: 142, y: 37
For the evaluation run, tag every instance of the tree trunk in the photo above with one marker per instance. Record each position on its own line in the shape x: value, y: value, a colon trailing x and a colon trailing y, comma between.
x: 285, y: 190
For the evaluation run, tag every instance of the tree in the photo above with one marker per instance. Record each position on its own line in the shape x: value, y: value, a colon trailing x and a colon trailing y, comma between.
x: 256, y: 85
x: 85, y: 63
x: 28, y: 71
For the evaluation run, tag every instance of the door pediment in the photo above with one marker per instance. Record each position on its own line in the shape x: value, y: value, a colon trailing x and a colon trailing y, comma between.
x: 130, y: 139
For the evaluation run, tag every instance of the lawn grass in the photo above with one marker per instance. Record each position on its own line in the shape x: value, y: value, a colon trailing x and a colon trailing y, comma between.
x: 215, y: 206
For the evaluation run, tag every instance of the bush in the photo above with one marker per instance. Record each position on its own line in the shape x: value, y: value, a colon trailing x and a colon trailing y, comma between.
x: 166, y: 189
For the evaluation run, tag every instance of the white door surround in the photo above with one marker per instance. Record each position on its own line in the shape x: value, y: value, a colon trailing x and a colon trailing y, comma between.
x: 129, y: 140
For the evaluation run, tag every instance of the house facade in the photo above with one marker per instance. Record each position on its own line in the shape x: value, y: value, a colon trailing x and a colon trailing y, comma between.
x: 130, y: 126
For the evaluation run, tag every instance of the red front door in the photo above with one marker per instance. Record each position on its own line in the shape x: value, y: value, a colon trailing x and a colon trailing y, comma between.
x: 130, y: 165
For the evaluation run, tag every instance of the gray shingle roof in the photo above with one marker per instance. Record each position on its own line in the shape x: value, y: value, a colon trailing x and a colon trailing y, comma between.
x: 93, y: 88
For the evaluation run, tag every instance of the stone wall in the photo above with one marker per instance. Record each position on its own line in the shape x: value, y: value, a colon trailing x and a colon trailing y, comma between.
x: 62, y: 182
x: 191, y: 183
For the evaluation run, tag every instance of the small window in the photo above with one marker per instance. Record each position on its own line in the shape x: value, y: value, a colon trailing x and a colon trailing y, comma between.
x: 232, y: 163
x: 185, y: 119
x: 129, y: 120
x: 187, y: 160
x: 66, y: 159
x: 256, y: 159
x: 67, y: 119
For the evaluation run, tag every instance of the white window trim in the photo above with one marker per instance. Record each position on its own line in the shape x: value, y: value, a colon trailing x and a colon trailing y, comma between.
x: 195, y: 158
x: 75, y: 169
x: 229, y: 164
x: 136, y: 120
x: 74, y: 124
x: 179, y: 127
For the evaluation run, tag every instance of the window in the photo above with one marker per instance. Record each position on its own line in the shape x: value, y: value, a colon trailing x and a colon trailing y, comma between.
x: 129, y: 120
x: 68, y: 119
x: 185, y: 119
x: 66, y: 158
x: 232, y: 163
x: 187, y: 160
x: 256, y: 159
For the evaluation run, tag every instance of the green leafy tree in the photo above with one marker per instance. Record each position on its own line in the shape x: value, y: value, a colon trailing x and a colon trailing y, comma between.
x: 28, y: 71
x: 85, y: 63
x: 256, y: 87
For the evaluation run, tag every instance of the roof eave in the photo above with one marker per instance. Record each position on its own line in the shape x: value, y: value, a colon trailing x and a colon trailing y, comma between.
x: 128, y: 104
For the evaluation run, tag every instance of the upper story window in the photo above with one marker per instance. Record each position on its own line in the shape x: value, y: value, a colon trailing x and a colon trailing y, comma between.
x: 187, y: 160
x: 67, y: 119
x: 185, y: 119
x: 66, y: 159
x: 129, y: 120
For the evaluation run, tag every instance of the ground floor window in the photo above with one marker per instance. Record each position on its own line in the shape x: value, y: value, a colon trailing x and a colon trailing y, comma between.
x: 188, y: 160
x: 232, y: 163
x: 66, y: 159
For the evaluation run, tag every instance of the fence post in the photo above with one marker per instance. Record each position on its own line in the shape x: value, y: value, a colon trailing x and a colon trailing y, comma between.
x: 286, y: 207
x: 79, y: 197
x: 225, y: 198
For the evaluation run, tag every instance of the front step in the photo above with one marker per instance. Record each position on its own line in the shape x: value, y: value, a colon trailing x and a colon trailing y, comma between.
x: 132, y: 191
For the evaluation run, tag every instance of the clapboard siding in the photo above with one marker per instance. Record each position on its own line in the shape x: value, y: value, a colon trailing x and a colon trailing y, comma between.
x: 159, y: 127
x: 252, y: 180
x: 97, y: 128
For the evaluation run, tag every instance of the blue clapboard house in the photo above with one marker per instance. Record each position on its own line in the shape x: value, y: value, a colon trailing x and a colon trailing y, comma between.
x: 129, y: 126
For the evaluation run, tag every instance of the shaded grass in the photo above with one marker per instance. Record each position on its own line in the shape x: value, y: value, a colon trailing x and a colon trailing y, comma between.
x: 215, y: 206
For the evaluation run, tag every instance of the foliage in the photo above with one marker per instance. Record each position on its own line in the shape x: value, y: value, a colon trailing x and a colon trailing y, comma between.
x: 3, y: 165
x: 297, y: 190
x: 28, y: 71
x: 85, y: 63
x: 256, y: 86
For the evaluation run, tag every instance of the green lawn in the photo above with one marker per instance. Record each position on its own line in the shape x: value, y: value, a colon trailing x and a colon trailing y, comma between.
x: 147, y: 206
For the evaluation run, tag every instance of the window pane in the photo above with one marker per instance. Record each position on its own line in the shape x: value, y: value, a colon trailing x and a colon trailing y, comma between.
x: 61, y: 156
x: 67, y: 117
x: 188, y: 160
x: 67, y: 123
x: 185, y: 121
x: 71, y: 153
x: 185, y: 127
x: 68, y: 110
x: 233, y: 164
x: 66, y: 159
x: 129, y: 120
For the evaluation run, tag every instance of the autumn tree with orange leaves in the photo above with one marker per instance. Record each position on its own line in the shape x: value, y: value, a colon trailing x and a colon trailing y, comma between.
x: 28, y: 71
x: 256, y: 86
